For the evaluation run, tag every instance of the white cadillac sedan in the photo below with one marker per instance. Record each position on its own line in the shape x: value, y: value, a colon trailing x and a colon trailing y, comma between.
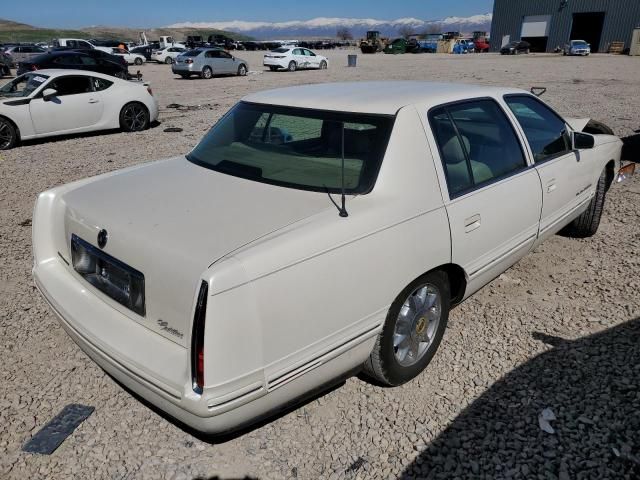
x: 294, y: 58
x: 56, y: 102
x: 314, y: 231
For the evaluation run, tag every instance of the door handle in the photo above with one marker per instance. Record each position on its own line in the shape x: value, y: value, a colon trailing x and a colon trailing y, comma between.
x: 93, y: 100
x: 471, y: 223
x: 551, y: 185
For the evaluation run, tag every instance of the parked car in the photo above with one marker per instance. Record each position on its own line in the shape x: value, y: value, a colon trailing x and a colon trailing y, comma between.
x: 77, y: 60
x: 481, y: 45
x: 77, y: 43
x: 577, y: 47
x: 5, y: 64
x: 165, y: 272
x: 129, y: 57
x: 20, y: 53
x: 167, y: 54
x: 293, y: 59
x: 144, y: 50
x: 56, y: 102
x: 516, y: 48
x: 463, y: 46
x: 207, y: 62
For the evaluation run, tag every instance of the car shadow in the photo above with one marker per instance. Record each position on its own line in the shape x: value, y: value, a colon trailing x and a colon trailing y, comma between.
x: 60, y: 138
x: 220, y: 438
x: 592, y: 385
x: 631, y: 148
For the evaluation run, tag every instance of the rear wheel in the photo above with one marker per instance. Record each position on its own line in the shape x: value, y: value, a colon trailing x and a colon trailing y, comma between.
x: 168, y: 60
x: 138, y: 61
x: 292, y: 66
x: 8, y: 134
x: 323, y: 65
x: 242, y: 70
x: 207, y: 73
x: 134, y: 117
x: 412, y: 332
x: 586, y: 225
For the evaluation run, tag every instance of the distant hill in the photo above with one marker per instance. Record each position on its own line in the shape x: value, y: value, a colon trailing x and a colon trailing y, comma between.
x: 19, y: 32
x: 327, y: 27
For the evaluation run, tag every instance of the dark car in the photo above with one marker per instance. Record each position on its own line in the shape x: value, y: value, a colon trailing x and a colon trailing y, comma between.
x: 143, y: 50
x: 515, y: 48
x: 77, y: 60
x: 5, y: 64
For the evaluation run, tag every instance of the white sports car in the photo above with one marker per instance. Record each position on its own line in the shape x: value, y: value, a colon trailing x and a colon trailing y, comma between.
x: 294, y: 58
x: 131, y: 58
x: 223, y: 284
x: 55, y: 102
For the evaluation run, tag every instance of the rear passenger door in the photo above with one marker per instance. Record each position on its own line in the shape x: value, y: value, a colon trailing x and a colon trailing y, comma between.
x: 492, y: 195
x: 565, y: 184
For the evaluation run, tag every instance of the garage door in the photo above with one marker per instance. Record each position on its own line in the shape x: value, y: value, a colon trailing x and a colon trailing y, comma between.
x: 536, y: 26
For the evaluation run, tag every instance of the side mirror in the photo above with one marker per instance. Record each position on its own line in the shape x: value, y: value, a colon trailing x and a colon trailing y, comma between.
x: 583, y: 141
x: 48, y: 94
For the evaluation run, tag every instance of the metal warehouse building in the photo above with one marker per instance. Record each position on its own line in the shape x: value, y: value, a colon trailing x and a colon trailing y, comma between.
x: 547, y: 24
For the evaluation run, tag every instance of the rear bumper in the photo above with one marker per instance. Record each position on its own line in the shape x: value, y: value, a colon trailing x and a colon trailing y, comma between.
x: 183, y: 68
x: 275, y: 62
x: 158, y: 370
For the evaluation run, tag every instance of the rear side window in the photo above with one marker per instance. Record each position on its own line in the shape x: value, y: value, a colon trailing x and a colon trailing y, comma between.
x: 546, y: 132
x: 88, y: 60
x: 100, y: 84
x: 477, y: 144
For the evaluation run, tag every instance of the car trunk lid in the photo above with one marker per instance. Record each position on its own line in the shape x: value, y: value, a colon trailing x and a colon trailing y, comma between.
x: 170, y: 220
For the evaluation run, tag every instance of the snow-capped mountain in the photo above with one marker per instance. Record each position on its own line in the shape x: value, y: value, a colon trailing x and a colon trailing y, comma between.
x: 327, y: 27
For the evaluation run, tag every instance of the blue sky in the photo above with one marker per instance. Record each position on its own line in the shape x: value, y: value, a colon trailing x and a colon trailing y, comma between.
x: 141, y: 13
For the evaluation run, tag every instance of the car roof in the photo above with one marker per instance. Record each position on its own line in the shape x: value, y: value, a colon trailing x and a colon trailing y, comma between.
x: 58, y: 72
x: 381, y: 97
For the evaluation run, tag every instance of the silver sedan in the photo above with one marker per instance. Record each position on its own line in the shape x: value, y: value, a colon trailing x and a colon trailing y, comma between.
x: 207, y: 62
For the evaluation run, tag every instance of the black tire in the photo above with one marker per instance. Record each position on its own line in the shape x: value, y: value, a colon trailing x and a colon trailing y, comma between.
x: 242, y: 70
x: 382, y: 365
x: 527, y: 51
x: 121, y: 74
x: 586, y: 225
x: 168, y: 60
x: 323, y: 65
x: 273, y: 69
x: 8, y: 134
x: 207, y: 73
x: 292, y: 66
x: 134, y: 117
x: 138, y: 61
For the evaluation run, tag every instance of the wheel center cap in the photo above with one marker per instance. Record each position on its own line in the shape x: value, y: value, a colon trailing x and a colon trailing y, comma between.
x: 421, y: 324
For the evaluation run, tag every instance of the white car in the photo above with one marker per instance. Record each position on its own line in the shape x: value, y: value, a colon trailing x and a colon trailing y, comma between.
x: 55, y: 102
x: 77, y: 43
x: 223, y: 284
x: 577, y: 47
x: 167, y: 54
x: 131, y: 58
x: 294, y: 58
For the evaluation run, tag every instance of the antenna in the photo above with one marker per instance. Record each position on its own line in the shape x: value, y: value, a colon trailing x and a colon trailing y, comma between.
x: 343, y: 210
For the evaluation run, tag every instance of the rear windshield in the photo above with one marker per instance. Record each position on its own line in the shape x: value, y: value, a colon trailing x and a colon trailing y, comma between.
x: 280, y: 50
x: 297, y: 148
x: 192, y: 53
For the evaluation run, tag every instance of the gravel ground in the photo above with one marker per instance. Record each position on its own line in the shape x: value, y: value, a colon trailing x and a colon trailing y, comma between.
x: 560, y: 330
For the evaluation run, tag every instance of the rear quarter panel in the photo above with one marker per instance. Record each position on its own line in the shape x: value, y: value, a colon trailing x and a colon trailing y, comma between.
x: 312, y: 286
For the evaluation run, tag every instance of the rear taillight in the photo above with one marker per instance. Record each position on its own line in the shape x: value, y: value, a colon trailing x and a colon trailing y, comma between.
x: 150, y: 91
x: 197, y: 339
x: 34, y: 67
x: 188, y: 60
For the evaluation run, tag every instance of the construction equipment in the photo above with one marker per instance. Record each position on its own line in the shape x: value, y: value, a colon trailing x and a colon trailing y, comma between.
x: 373, y: 43
x: 399, y: 45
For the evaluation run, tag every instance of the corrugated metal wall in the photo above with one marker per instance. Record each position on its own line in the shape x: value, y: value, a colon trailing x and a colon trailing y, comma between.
x: 621, y: 17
